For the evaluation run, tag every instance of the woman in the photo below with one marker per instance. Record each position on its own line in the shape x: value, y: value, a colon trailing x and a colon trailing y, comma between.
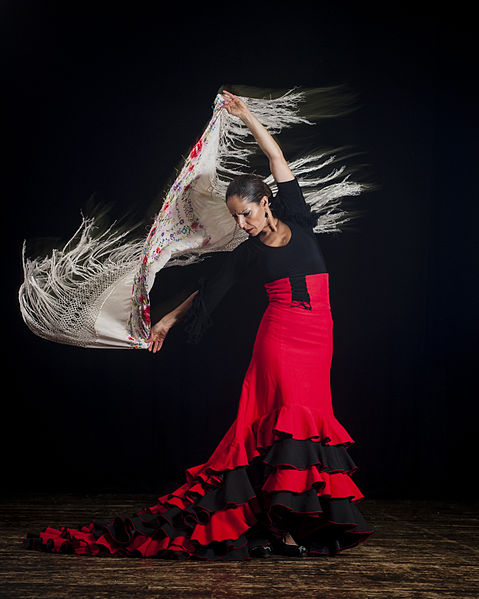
x: 279, y: 480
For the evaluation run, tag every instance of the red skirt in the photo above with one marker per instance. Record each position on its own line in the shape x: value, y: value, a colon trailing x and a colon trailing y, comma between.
x: 283, y: 466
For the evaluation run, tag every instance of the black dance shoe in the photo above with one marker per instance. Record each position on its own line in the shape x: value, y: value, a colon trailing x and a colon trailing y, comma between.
x: 282, y: 548
x: 260, y: 550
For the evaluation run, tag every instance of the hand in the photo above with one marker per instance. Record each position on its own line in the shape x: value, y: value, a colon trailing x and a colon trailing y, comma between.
x: 157, y: 334
x: 234, y: 105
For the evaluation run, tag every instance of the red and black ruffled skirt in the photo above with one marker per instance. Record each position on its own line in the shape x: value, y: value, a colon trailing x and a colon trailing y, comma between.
x: 283, y: 466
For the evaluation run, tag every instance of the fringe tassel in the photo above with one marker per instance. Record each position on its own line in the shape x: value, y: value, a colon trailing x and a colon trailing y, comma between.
x: 61, y: 294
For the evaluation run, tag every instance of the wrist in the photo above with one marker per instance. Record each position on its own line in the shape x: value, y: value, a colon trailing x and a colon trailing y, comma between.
x: 170, y: 319
x: 247, y: 117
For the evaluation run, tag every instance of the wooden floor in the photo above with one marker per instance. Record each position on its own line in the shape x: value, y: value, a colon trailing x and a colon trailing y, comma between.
x: 426, y: 549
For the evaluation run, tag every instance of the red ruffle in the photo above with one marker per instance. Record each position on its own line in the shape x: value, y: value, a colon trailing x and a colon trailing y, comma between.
x: 148, y: 546
x: 336, y: 485
x: 300, y: 422
x: 241, y: 445
x: 224, y: 525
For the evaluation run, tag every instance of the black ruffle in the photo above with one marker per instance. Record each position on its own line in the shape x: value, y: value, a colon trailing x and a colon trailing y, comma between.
x: 301, y: 454
x: 197, y: 320
x: 325, y: 525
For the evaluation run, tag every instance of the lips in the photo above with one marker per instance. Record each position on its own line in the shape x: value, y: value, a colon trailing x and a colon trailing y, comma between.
x: 248, y: 230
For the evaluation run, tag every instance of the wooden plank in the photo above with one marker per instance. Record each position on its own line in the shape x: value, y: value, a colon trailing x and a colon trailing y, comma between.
x: 421, y: 548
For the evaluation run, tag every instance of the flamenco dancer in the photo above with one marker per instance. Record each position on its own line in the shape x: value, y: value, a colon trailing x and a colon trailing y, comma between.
x: 279, y: 482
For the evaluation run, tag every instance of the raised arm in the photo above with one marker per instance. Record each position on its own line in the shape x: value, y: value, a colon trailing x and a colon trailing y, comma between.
x: 277, y: 162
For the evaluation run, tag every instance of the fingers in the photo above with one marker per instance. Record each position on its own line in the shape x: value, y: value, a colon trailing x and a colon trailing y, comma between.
x: 154, y: 344
x: 230, y: 99
x: 233, y: 104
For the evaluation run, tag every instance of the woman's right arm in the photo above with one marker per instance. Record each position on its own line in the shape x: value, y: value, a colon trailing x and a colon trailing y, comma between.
x: 161, y: 328
x: 277, y: 162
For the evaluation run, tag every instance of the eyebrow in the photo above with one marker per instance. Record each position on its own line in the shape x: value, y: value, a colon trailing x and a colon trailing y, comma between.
x: 245, y: 210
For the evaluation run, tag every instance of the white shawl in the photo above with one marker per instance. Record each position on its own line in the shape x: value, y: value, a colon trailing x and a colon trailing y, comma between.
x: 94, y: 292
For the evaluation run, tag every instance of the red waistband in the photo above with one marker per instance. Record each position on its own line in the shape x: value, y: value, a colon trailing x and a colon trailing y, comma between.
x: 306, y: 291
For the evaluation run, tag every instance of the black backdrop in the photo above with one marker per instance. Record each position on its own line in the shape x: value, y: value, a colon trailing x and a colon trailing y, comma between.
x: 104, y: 100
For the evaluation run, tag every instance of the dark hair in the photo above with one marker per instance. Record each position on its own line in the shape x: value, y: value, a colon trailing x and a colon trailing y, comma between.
x: 249, y: 187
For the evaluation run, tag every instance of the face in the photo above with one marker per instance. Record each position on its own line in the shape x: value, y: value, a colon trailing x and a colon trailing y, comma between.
x: 248, y: 215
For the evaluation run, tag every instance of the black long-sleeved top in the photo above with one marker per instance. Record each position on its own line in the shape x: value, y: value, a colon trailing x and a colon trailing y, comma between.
x: 299, y: 257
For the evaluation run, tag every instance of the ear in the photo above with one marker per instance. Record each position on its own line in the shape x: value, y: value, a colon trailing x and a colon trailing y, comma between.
x: 264, y: 201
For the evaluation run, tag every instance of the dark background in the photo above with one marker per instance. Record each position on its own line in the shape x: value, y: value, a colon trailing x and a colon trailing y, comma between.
x: 104, y: 100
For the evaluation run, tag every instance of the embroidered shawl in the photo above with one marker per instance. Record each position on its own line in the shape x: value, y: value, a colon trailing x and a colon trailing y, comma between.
x: 94, y: 292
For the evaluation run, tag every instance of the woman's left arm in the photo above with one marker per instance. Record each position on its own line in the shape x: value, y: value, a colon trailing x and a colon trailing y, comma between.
x: 277, y: 162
